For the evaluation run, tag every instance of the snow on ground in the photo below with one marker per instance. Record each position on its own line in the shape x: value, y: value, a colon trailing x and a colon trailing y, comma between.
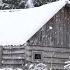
x: 17, y: 26
x: 39, y: 66
x: 11, y: 69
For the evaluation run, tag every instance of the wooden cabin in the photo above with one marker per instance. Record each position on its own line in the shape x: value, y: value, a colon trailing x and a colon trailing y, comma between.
x: 51, y: 44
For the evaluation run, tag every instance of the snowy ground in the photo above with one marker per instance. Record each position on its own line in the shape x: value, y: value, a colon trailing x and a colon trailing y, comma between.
x: 11, y: 69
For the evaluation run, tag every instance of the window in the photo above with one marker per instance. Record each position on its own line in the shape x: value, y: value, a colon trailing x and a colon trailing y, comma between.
x: 37, y: 56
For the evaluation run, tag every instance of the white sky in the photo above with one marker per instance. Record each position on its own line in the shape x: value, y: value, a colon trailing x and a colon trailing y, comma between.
x: 18, y: 26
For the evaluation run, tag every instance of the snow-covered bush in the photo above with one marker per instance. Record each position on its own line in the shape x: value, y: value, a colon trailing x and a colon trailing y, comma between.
x: 39, y: 66
x: 67, y: 66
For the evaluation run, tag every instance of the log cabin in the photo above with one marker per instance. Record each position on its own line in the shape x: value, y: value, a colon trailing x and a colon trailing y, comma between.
x: 50, y: 44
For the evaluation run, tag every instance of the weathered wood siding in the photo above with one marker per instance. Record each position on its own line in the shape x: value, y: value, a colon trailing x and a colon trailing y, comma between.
x: 1, y: 48
x: 13, y: 56
x: 53, y: 40
x: 50, y: 54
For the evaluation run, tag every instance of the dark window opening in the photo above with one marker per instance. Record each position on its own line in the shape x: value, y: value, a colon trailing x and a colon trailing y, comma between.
x: 37, y: 56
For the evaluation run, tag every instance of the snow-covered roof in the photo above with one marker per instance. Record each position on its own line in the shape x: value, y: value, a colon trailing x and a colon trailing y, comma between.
x: 18, y: 26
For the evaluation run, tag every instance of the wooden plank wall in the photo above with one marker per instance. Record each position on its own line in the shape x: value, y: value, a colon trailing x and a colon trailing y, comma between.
x: 13, y: 56
x: 50, y: 54
x: 1, y: 48
x: 53, y: 40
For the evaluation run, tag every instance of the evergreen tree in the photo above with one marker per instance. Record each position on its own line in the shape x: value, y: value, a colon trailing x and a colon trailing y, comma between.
x: 21, y: 4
